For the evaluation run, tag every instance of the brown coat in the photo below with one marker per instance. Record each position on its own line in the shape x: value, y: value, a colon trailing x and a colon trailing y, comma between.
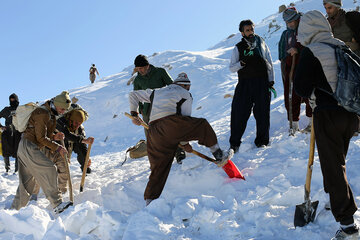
x: 41, y: 128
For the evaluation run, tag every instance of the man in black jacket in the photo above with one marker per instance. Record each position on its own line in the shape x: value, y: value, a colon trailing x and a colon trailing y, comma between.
x: 10, y: 137
x: 251, y: 60
x: 75, y: 137
x: 334, y: 126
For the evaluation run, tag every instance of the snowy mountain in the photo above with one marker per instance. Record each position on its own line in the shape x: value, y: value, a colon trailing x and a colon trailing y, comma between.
x: 199, y: 201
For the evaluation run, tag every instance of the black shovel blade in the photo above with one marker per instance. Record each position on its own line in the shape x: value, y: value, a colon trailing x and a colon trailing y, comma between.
x: 305, y: 213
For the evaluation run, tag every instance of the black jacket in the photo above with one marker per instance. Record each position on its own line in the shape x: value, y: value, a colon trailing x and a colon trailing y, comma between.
x: 309, y: 76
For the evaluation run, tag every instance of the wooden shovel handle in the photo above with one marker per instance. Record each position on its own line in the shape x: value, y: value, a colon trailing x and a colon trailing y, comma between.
x: 85, y: 167
x: 71, y: 195
x: 310, y: 162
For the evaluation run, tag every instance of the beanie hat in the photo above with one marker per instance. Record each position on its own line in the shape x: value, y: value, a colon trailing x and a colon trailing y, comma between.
x: 182, y: 79
x: 291, y: 14
x: 336, y: 3
x: 141, y: 61
x: 62, y: 100
x: 77, y: 115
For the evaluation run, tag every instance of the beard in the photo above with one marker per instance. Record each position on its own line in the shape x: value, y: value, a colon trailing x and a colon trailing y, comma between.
x: 250, y: 38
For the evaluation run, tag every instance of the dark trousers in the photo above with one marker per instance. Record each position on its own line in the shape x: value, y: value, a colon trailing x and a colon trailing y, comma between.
x: 80, y: 149
x: 333, y: 131
x: 296, y: 99
x: 164, y: 135
x: 7, y: 163
x: 251, y: 94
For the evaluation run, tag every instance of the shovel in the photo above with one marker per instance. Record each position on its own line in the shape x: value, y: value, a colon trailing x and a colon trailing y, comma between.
x: 230, y: 168
x: 85, y: 167
x: 305, y: 213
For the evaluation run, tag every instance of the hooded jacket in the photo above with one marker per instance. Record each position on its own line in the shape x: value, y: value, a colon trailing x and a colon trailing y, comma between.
x: 314, y: 30
x: 8, y: 112
x: 317, y: 68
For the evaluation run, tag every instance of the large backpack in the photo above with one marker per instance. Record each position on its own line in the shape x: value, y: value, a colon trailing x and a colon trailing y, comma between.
x: 347, y: 91
x: 22, y: 115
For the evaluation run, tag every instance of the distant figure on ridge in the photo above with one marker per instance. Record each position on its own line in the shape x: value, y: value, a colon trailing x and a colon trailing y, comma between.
x: 93, y: 71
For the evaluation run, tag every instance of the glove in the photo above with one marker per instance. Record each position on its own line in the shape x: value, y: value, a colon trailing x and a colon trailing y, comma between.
x: 187, y: 148
x: 272, y: 89
x: 134, y: 114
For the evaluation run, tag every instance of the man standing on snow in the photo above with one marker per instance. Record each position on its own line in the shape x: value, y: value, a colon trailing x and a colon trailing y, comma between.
x: 150, y: 77
x: 10, y: 137
x: 36, y: 145
x: 170, y: 124
x: 345, y: 25
x: 334, y: 126
x: 93, y: 71
x: 288, y: 48
x: 251, y: 60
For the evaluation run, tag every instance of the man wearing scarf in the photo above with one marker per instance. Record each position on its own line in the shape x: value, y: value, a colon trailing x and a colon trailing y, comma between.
x: 10, y: 137
x: 251, y: 60
x: 344, y: 25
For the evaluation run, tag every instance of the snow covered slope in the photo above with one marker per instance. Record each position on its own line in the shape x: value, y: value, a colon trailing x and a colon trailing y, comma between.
x: 199, y: 201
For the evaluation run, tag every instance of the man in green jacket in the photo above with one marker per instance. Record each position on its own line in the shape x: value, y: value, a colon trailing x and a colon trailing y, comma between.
x: 151, y: 77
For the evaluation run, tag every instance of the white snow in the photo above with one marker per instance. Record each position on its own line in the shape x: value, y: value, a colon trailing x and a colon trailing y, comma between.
x: 199, y: 200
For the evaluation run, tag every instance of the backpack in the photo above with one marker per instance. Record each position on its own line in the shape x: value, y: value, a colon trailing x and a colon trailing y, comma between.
x: 347, y: 91
x: 137, y: 151
x: 22, y: 114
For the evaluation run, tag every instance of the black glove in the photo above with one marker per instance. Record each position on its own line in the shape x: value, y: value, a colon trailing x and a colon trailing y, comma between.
x: 134, y: 114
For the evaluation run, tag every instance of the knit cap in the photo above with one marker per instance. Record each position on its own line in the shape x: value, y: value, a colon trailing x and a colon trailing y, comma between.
x: 182, y: 79
x: 77, y: 115
x: 62, y: 100
x: 336, y: 3
x: 141, y: 61
x: 291, y: 14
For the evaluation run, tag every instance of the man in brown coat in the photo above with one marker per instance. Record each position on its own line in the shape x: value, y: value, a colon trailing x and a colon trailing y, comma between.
x: 344, y: 25
x: 35, y: 148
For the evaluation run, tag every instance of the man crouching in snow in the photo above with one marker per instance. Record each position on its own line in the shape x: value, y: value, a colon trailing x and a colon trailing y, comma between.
x: 170, y: 124
x: 35, y: 147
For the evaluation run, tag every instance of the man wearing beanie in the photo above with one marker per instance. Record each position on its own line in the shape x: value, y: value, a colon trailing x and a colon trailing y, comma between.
x: 75, y: 138
x: 251, y: 60
x: 316, y: 77
x: 345, y: 25
x: 170, y: 124
x: 10, y: 137
x: 150, y: 77
x: 36, y: 147
x: 289, y: 49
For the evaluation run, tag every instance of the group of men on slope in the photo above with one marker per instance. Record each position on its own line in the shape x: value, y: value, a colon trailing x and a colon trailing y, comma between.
x: 170, y: 122
x: 54, y: 130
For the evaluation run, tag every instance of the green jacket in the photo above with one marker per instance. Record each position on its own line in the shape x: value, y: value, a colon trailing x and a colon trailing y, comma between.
x: 155, y: 78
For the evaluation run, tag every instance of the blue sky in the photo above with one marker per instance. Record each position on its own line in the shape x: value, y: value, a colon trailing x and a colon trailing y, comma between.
x: 48, y: 46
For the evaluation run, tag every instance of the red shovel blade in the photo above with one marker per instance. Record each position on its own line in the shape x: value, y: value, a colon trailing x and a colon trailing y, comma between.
x: 232, y: 171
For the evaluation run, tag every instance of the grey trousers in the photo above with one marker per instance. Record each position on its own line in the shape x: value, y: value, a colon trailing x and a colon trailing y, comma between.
x: 35, y: 169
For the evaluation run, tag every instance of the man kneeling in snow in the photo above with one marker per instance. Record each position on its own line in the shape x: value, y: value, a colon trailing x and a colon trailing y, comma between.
x: 170, y: 124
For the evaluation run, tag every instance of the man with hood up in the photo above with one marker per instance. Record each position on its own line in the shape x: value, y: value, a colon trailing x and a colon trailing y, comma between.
x: 290, y: 48
x: 10, y: 137
x: 334, y: 126
x: 251, y: 60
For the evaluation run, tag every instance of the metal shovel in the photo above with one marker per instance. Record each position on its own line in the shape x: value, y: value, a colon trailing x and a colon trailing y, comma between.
x: 305, y: 213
